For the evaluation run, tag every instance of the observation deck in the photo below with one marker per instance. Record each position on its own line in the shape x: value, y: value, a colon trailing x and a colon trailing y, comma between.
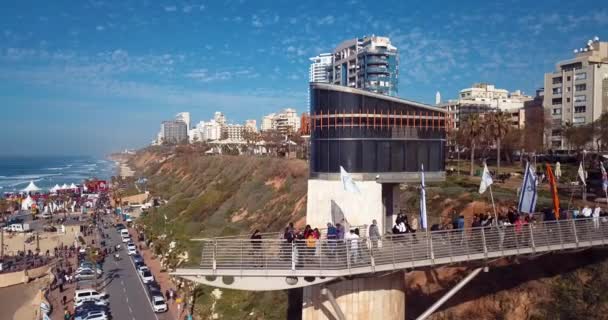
x: 274, y: 264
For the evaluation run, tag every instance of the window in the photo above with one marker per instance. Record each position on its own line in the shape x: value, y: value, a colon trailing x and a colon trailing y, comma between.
x: 568, y: 78
x: 580, y: 87
x: 557, y: 80
x: 579, y: 120
x: 580, y: 98
x: 580, y: 76
x: 556, y: 101
x: 568, y: 89
x: 557, y: 111
x: 556, y: 133
x: 568, y: 100
x: 580, y: 109
x: 557, y: 90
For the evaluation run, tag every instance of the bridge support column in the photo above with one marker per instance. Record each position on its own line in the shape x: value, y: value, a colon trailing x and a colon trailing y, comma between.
x: 381, y: 297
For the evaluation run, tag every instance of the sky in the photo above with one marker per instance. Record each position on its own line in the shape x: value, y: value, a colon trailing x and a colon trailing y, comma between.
x: 91, y: 77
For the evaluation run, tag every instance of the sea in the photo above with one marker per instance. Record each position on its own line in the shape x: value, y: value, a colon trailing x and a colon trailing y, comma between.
x: 16, y: 172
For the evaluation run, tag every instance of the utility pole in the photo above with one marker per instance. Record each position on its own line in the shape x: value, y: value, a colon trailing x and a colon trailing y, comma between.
x: 2, y: 244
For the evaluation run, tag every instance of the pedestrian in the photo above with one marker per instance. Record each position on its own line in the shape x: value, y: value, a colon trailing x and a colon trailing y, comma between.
x: 171, y: 294
x: 65, y: 300
x: 66, y: 314
x: 374, y: 234
x: 596, y: 217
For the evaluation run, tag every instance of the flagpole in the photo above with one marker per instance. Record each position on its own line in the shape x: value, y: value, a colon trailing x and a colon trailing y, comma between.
x: 493, y: 205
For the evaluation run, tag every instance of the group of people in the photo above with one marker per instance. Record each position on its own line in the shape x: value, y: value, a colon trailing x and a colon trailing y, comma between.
x: 403, y: 225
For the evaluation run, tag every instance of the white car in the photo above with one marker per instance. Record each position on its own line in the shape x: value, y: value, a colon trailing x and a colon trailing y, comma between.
x: 99, y: 302
x: 87, y: 268
x: 126, y: 238
x: 159, y: 304
x: 145, y: 274
x: 87, y: 295
x: 131, y: 249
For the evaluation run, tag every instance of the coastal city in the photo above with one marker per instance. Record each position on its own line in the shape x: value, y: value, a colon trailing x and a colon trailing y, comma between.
x: 247, y: 160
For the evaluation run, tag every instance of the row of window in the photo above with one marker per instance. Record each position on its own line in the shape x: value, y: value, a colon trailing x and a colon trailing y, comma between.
x: 578, y: 76
x: 578, y: 98
x: 578, y: 87
x: 577, y: 109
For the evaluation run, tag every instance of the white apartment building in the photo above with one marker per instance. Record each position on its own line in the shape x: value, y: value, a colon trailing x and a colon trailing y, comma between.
x: 233, y: 132
x: 251, y: 125
x: 284, y: 121
x: 319, y: 68
x: 206, y: 131
x: 220, y: 118
x: 577, y: 91
x: 185, y: 117
x: 483, y: 98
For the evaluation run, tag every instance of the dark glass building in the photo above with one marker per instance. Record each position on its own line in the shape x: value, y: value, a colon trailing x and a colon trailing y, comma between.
x: 374, y: 136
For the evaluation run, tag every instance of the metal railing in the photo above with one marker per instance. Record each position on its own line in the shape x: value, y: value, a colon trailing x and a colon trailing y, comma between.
x: 276, y: 257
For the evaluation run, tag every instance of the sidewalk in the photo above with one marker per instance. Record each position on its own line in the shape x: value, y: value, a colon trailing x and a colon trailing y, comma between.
x: 56, y: 298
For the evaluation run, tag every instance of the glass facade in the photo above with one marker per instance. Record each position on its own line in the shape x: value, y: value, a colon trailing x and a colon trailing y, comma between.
x: 367, y: 133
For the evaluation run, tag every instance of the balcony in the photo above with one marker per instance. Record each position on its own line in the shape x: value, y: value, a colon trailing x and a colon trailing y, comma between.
x: 377, y: 70
x: 376, y: 60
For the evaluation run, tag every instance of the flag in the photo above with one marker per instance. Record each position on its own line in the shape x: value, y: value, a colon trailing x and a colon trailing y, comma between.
x: 604, y: 177
x: 347, y: 181
x: 553, y: 186
x: 422, y: 199
x: 486, y: 179
x: 581, y: 173
x: 527, y: 195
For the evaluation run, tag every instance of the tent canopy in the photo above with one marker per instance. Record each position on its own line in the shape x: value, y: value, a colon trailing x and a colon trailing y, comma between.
x: 31, y: 187
x: 64, y: 187
x: 55, y: 188
x: 73, y: 186
x: 27, y: 203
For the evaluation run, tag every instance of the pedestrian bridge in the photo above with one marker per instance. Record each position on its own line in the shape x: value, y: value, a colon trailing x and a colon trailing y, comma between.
x: 274, y: 264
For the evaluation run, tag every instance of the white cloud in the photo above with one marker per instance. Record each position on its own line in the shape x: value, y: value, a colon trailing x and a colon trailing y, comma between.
x: 204, y: 75
x: 100, y: 28
x: 327, y: 20
x: 256, y: 22
x: 170, y: 8
x: 187, y: 9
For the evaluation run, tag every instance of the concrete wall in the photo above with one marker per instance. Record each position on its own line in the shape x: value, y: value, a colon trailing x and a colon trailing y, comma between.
x: 327, y: 198
x: 13, y: 278
x: 361, y: 298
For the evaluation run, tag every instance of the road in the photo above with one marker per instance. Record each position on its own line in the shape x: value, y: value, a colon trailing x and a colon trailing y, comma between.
x: 128, y: 298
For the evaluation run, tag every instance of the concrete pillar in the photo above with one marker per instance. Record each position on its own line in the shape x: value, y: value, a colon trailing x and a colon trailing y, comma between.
x: 360, y: 298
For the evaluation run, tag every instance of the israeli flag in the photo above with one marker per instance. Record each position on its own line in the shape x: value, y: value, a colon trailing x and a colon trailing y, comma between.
x: 527, y: 195
x: 347, y: 181
x: 422, y: 199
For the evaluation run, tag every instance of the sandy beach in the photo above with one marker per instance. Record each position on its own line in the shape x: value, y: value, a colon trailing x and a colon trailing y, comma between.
x: 123, y: 169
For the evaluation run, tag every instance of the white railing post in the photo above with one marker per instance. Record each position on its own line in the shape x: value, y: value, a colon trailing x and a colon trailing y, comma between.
x: 371, y: 253
x: 532, y: 244
x: 574, y: 231
x: 241, y: 267
x: 483, y: 241
x: 293, y: 255
x: 347, y: 242
x: 429, y: 237
x: 214, y: 255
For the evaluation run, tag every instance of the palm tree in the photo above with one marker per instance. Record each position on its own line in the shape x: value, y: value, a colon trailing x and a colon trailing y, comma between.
x: 498, y: 125
x: 472, y: 130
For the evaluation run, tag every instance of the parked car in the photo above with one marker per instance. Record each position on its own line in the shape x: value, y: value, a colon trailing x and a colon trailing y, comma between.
x: 88, y: 294
x: 131, y: 248
x: 158, y: 303
x: 86, y: 274
x: 46, y: 215
x: 49, y: 228
x: 145, y: 274
x: 137, y: 258
x: 93, y: 315
x: 90, y: 268
x: 89, y: 303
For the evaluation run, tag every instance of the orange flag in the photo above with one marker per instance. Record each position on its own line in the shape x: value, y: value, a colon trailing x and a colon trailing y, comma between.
x: 553, y: 186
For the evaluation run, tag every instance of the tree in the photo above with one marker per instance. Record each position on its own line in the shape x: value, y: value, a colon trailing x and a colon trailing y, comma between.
x: 472, y: 131
x: 578, y: 137
x: 497, y: 126
x: 600, y: 128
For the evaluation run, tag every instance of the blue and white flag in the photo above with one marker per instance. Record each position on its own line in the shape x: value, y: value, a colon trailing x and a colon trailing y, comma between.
x: 422, y: 199
x: 486, y: 179
x: 527, y: 195
x: 347, y: 181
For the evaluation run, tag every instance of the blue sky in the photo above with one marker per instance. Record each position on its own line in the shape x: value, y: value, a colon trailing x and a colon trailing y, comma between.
x: 90, y: 77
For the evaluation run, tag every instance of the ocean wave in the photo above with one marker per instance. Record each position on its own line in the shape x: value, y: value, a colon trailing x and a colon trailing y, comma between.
x: 31, y: 176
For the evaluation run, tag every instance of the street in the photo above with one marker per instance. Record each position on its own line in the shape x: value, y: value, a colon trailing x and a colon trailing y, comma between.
x: 128, y: 296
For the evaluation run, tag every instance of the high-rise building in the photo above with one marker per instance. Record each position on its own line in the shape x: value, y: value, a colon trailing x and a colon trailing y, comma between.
x: 251, y: 125
x: 483, y: 98
x: 370, y: 63
x: 577, y: 91
x: 174, y: 131
x: 233, y: 132
x: 220, y: 118
x: 320, y: 67
x: 185, y: 117
x: 285, y: 121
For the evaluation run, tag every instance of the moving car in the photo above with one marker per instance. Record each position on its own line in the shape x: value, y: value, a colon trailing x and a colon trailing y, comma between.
x: 90, y: 303
x: 88, y: 294
x: 89, y: 268
x: 93, y: 315
x: 158, y: 303
x: 145, y: 274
